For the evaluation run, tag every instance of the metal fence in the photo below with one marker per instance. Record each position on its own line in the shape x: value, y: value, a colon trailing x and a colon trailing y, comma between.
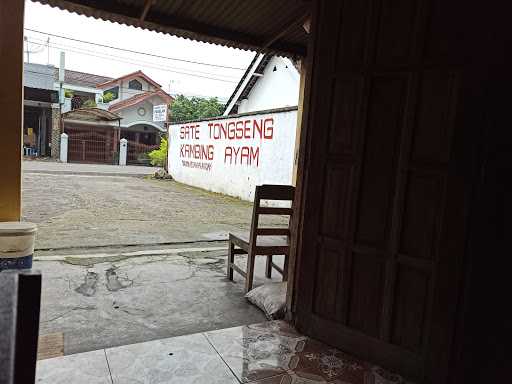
x: 91, y: 145
x: 137, y: 152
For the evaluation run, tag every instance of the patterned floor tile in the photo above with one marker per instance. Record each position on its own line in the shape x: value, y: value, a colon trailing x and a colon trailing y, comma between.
x: 273, y: 353
x: 258, y: 351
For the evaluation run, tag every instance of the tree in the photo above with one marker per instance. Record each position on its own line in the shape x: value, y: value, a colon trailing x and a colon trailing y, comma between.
x: 184, y: 108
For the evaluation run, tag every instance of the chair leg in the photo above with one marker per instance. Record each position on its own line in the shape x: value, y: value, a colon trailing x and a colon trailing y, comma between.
x: 231, y: 260
x: 268, y: 268
x: 250, y: 271
x: 285, y: 268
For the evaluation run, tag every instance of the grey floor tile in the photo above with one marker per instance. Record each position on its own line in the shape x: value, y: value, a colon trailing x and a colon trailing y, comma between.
x: 82, y: 368
x: 179, y: 360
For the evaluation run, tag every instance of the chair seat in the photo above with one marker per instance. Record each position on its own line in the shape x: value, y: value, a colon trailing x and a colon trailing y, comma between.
x: 263, y: 241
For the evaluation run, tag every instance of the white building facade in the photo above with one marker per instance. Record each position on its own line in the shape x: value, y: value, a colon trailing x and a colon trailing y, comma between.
x: 231, y: 155
x: 270, y: 82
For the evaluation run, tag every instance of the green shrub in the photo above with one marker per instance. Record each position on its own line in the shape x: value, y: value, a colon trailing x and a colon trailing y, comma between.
x: 108, y: 97
x: 159, y: 156
x: 89, y: 103
x: 68, y: 93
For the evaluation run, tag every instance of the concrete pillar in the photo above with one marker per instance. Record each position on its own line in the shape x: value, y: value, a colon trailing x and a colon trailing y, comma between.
x: 55, y: 139
x: 42, y: 133
x: 64, y: 148
x: 11, y: 105
x: 123, y: 151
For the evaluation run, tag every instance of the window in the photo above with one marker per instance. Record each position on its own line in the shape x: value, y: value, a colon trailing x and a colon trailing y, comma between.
x: 135, y: 84
x: 114, y: 91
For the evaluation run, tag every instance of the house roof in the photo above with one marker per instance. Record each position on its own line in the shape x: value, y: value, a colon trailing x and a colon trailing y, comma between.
x: 263, y: 25
x: 136, y: 99
x: 81, y: 78
x: 91, y: 114
x: 129, y: 76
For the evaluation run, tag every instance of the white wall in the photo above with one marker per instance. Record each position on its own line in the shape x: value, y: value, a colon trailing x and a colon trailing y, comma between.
x: 221, y: 168
x: 130, y: 115
x: 275, y: 89
x: 125, y: 92
x: 38, y: 76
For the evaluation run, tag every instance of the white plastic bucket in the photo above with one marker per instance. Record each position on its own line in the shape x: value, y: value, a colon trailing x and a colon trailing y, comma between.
x: 16, y: 244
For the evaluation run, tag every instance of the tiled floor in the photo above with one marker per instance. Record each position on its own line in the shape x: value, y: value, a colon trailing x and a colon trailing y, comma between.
x: 266, y: 353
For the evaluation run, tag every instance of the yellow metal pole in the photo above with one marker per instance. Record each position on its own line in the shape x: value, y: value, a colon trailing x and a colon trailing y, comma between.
x: 11, y: 105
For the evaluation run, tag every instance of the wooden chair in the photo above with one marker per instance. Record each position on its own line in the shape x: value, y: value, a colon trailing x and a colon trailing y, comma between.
x: 263, y: 241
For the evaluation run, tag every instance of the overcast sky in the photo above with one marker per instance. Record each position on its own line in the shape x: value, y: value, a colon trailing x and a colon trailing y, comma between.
x: 114, y: 63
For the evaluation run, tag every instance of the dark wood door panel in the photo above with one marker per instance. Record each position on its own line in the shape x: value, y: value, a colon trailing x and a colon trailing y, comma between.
x: 384, y: 122
x: 329, y: 300
x: 436, y: 111
x: 396, y: 27
x: 421, y: 215
x: 346, y: 101
x: 338, y: 185
x: 383, y: 231
x: 411, y: 301
x: 365, y: 293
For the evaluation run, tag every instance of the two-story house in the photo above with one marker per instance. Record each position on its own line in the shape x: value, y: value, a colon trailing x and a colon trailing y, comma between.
x: 98, y: 111
x: 135, y: 95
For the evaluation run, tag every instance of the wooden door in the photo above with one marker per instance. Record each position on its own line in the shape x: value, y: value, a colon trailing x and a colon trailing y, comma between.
x: 385, y: 182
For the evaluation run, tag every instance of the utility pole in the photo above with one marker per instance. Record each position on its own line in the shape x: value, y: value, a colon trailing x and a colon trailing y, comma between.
x: 62, y: 69
x: 26, y: 45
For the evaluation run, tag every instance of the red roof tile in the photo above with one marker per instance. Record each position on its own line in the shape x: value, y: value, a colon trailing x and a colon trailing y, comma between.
x: 82, y: 78
x: 139, y: 98
x: 129, y: 76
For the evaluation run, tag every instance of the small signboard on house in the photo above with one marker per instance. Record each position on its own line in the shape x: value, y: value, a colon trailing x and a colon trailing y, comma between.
x: 160, y: 112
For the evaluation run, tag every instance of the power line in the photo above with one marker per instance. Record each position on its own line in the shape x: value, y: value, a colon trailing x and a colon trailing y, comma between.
x: 110, y: 57
x: 133, y: 61
x: 136, y: 52
x: 127, y: 61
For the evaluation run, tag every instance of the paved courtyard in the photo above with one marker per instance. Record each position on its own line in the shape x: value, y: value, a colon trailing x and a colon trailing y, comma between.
x: 128, y: 259
x: 84, y: 210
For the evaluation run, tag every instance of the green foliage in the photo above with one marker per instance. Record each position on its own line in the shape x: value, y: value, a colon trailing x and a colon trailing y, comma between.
x: 184, y: 108
x: 68, y: 93
x: 89, y: 103
x: 159, y: 156
x: 108, y: 97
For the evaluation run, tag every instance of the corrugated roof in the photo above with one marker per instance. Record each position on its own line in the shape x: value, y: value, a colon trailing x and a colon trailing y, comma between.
x: 262, y: 25
x: 82, y: 78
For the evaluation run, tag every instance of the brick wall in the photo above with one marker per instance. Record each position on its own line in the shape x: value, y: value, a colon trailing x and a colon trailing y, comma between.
x: 55, y: 133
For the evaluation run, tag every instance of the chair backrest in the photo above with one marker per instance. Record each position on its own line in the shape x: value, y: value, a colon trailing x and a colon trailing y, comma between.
x: 271, y: 192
